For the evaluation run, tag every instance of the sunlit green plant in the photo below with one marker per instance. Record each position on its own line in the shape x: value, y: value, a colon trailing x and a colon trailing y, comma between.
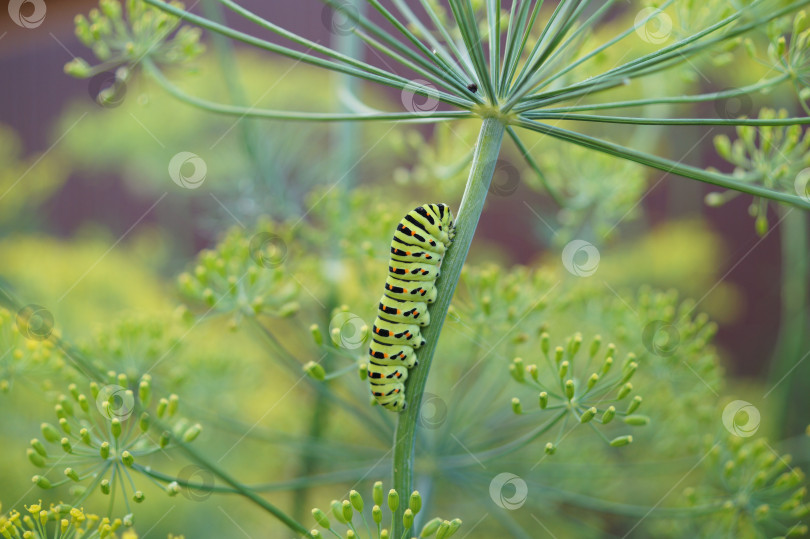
x: 507, y: 69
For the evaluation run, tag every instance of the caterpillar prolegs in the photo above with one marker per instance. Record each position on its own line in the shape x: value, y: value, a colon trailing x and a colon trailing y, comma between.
x: 420, y: 242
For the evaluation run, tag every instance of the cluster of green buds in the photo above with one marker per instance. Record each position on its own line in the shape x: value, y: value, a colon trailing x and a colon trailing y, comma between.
x: 675, y: 333
x: 23, y: 354
x: 759, y: 489
x: 63, y: 521
x: 123, y: 35
x: 598, y: 190
x: 589, y: 389
x: 775, y: 156
x: 244, y: 276
x: 442, y: 164
x: 498, y: 299
x: 349, y: 513
x: 790, y: 54
x: 692, y: 16
x: 348, y: 338
x: 135, y: 344
x: 100, y: 436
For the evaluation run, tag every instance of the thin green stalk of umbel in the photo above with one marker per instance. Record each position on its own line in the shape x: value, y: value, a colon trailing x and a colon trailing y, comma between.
x: 472, y: 204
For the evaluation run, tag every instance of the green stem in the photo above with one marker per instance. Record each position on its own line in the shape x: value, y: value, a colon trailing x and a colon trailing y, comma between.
x: 267, y: 114
x: 240, y: 488
x: 664, y: 121
x: 788, y: 374
x: 483, y: 167
x: 666, y: 165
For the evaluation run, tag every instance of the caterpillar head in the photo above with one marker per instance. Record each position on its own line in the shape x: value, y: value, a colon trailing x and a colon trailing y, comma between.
x: 446, y: 215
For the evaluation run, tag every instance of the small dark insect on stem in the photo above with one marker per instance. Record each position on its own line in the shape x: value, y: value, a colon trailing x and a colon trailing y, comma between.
x: 472, y: 87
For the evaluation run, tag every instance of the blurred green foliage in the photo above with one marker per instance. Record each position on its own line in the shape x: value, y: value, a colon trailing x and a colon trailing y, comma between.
x: 233, y: 330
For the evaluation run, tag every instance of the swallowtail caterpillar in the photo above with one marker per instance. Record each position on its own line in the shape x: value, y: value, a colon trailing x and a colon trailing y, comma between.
x: 417, y: 250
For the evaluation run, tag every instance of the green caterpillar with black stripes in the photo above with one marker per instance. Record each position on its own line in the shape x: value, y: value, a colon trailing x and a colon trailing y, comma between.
x: 417, y: 250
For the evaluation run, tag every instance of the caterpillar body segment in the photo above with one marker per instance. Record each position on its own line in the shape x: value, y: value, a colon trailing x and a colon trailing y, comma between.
x: 414, y: 271
x: 391, y: 354
x: 417, y: 250
x: 390, y: 332
x: 407, y: 312
x: 396, y: 288
x: 416, y: 255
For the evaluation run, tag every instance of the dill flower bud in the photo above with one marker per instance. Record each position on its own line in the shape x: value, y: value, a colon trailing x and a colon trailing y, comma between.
x: 315, y: 371
x: 621, y: 441
x: 587, y: 415
x: 415, y: 502
x: 321, y: 518
x: 407, y: 519
x: 377, y: 493
x: 393, y: 500
x: 337, y: 511
x: 634, y: 404
x: 356, y: 500
x: 376, y: 514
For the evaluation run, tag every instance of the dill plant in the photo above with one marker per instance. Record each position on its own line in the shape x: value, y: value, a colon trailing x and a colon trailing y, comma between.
x: 521, y: 72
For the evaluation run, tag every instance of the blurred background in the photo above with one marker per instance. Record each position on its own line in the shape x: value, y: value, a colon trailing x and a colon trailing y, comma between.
x: 93, y: 227
x: 38, y: 99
